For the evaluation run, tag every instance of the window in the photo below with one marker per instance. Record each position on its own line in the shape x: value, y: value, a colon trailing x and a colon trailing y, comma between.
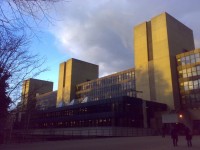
x: 198, y: 59
x: 196, y: 86
x: 189, y: 70
x: 192, y: 56
x: 183, y: 60
x: 198, y: 67
x: 189, y: 74
x: 197, y: 55
x: 187, y: 60
x: 191, y: 85
x: 186, y: 86
x: 194, y: 73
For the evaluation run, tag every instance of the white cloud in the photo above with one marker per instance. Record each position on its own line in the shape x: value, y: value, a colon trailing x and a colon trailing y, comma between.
x: 101, y: 32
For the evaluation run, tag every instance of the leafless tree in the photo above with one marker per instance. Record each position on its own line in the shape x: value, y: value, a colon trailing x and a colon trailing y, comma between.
x: 21, y: 64
x: 19, y: 18
x: 24, y: 14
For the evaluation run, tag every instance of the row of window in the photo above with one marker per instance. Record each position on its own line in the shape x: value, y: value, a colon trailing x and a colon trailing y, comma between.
x: 77, y: 123
x: 105, y: 95
x: 73, y: 112
x: 112, y: 86
x: 191, y: 99
x: 94, y: 109
x: 92, y: 123
x: 123, y: 89
x: 189, y: 59
x: 190, y: 85
x: 189, y: 72
x: 110, y: 80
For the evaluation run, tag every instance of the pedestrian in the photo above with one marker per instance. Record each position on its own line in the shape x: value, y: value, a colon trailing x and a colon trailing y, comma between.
x: 174, y: 136
x: 163, y: 130
x: 188, y: 137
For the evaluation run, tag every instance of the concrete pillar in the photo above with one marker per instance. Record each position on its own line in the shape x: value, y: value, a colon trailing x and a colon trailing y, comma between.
x: 144, y: 109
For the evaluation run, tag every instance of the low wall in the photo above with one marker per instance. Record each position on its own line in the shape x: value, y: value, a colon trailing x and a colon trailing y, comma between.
x: 91, y: 131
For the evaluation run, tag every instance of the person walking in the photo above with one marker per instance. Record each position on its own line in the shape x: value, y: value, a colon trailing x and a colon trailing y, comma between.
x: 163, y: 130
x: 174, y: 136
x: 188, y: 137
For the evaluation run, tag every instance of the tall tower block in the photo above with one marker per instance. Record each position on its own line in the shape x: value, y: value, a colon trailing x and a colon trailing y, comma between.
x: 156, y: 43
x: 71, y: 73
x: 31, y: 88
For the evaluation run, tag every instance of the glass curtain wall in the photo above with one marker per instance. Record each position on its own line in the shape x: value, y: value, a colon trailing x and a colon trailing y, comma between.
x: 189, y: 78
x: 115, y: 85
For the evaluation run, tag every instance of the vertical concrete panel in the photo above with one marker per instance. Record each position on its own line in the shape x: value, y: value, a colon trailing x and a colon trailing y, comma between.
x: 169, y: 37
x: 144, y: 111
x: 161, y: 61
x: 60, y: 83
x: 68, y: 81
x: 141, y: 60
x: 180, y: 37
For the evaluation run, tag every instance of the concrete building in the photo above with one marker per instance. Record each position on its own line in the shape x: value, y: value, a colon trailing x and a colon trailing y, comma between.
x: 32, y: 88
x: 188, y: 69
x: 46, y: 101
x: 156, y: 44
x: 121, y: 111
x: 166, y: 73
x: 118, y: 84
x: 71, y: 73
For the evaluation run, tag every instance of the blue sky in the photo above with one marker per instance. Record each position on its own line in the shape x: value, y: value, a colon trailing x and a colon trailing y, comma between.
x: 46, y: 46
x: 101, y: 32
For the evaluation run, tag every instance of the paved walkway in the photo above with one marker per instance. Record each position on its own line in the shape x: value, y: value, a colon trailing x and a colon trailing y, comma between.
x: 123, y: 143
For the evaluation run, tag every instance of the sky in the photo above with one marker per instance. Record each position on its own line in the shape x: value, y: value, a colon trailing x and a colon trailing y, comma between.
x: 101, y: 32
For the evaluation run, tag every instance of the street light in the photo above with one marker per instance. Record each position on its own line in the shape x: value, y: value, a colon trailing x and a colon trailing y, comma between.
x: 180, y: 116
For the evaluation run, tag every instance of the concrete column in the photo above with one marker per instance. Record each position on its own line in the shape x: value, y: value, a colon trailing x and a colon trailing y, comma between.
x: 144, y: 109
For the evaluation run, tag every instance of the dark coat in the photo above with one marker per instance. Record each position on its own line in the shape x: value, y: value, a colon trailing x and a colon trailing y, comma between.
x: 174, y: 134
x: 188, y: 134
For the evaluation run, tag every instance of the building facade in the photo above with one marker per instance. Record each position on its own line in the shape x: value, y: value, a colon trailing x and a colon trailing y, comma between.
x: 115, y: 85
x: 156, y: 44
x: 188, y: 68
x: 189, y: 78
x: 113, y: 112
x: 32, y: 88
x: 167, y: 72
x: 46, y: 101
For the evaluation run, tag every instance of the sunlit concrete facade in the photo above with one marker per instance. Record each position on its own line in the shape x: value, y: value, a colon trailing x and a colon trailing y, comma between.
x: 156, y: 44
x: 71, y: 73
x: 32, y: 88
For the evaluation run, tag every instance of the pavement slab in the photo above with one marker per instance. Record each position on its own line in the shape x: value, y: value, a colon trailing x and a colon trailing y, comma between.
x: 115, y: 143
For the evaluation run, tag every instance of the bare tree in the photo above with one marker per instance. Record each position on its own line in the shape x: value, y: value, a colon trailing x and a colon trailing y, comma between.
x: 24, y: 14
x: 17, y: 60
x: 17, y: 20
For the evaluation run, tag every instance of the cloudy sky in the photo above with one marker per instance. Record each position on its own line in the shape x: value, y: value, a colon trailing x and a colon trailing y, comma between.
x: 101, y: 32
